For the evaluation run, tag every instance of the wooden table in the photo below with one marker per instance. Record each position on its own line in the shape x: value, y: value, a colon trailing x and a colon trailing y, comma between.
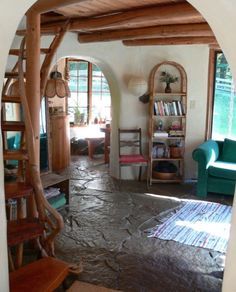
x: 92, y: 144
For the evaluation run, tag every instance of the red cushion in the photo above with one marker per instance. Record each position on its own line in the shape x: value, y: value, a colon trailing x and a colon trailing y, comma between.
x: 135, y: 158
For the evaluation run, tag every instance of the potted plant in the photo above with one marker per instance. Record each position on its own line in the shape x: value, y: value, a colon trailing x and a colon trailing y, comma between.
x: 168, y: 79
x: 76, y: 114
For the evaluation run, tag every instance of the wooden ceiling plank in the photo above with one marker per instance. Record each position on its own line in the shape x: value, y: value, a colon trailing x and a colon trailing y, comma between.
x: 171, y: 41
x: 43, y: 6
x: 177, y: 13
x: 159, y: 15
x: 98, y: 7
x: 179, y: 30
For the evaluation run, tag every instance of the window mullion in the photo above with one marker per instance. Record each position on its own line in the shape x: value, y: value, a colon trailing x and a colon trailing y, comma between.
x: 90, y: 77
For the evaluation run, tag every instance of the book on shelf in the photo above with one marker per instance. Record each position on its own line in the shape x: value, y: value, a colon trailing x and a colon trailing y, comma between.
x: 176, y: 133
x: 170, y: 108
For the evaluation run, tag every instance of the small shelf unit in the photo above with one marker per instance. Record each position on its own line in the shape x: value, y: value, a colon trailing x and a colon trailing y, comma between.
x: 167, y: 120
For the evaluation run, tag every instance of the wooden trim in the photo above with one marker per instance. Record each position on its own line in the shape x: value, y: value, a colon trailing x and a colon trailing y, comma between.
x: 171, y: 41
x: 210, y: 93
x: 178, y: 30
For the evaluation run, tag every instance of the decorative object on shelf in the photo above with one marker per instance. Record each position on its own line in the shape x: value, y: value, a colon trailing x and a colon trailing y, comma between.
x: 168, y: 79
x: 137, y: 85
x: 145, y: 98
x: 167, y: 123
x: 164, y: 170
x: 175, y: 151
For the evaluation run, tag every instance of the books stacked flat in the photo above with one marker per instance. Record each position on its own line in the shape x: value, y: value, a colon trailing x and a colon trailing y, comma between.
x: 173, y: 108
x: 51, y: 192
x: 55, y: 197
x: 160, y: 134
x: 176, y: 133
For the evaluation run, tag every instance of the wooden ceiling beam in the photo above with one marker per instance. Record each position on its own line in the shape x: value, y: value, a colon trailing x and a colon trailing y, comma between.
x: 178, y: 13
x: 171, y: 41
x: 179, y: 30
x: 43, y: 6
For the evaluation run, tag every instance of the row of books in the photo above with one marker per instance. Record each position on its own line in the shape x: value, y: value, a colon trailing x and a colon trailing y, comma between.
x: 171, y: 133
x: 165, y: 108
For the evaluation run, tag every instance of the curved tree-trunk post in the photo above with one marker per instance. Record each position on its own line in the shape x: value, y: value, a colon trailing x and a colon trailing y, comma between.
x: 33, y: 84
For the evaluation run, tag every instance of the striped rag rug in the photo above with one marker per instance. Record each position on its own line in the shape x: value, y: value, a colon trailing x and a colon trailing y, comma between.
x: 197, y: 223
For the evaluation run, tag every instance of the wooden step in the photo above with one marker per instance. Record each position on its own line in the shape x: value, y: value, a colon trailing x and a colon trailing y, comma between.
x: 44, y: 275
x: 22, y: 230
x: 14, y: 75
x: 13, y: 99
x: 17, y: 190
x: 15, y: 155
x: 13, y: 126
x: 16, y: 52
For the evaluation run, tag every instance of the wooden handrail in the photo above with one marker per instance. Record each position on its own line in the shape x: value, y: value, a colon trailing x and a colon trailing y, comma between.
x: 41, y: 202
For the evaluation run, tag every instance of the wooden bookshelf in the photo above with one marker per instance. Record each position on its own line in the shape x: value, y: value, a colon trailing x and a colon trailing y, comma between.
x: 168, y: 112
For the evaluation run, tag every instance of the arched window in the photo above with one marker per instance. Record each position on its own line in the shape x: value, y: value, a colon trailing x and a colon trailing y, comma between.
x: 90, y: 100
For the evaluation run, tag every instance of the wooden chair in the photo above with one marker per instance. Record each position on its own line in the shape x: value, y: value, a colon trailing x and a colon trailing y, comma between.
x: 130, y: 150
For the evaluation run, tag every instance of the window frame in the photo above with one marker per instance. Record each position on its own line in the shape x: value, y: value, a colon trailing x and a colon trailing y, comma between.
x: 211, y: 89
x: 89, y: 86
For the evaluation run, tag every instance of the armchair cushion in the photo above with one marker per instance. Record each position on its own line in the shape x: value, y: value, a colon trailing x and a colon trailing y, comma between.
x: 229, y: 151
x: 223, y: 169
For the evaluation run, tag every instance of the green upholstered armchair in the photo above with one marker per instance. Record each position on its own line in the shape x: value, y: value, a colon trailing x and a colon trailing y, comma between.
x: 216, y: 167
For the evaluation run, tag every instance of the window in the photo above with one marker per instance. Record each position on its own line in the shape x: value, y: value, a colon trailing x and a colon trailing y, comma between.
x: 90, y: 99
x: 224, y: 100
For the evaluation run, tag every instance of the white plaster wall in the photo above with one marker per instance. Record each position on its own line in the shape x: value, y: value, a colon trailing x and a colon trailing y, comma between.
x: 119, y: 63
x: 221, y: 15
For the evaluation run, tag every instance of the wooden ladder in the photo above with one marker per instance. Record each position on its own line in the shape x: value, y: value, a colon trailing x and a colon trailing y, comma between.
x: 34, y: 218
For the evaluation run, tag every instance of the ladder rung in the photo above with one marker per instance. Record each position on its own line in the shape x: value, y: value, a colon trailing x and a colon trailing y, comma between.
x: 45, y: 274
x: 22, y: 230
x: 12, y: 75
x: 17, y: 190
x: 13, y: 126
x: 15, y: 155
x: 16, y: 52
x: 13, y: 99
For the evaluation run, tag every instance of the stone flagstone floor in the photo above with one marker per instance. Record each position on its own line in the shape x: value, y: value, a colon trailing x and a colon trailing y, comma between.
x: 105, y: 229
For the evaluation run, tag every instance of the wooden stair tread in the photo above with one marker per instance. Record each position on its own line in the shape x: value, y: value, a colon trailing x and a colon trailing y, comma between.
x: 22, y: 230
x: 13, y: 126
x: 44, y: 275
x: 15, y: 155
x: 12, y: 75
x: 16, y: 52
x: 17, y: 190
x: 9, y: 98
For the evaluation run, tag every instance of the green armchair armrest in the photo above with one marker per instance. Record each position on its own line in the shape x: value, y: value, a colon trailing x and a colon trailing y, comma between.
x: 205, y: 154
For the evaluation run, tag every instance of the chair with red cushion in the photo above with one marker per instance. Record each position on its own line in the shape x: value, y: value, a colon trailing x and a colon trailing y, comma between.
x: 130, y: 149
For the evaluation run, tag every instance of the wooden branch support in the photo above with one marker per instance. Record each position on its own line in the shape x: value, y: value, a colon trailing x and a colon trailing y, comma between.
x: 45, y: 68
x: 171, y: 41
x: 178, y: 30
